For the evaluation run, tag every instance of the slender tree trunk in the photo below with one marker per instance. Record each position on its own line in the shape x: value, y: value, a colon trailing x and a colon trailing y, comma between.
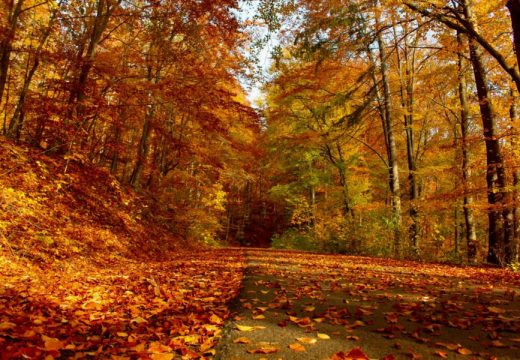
x: 407, y: 75
x: 6, y: 42
x: 142, y: 150
x: 393, y: 169
x: 470, y: 232
x: 513, y: 113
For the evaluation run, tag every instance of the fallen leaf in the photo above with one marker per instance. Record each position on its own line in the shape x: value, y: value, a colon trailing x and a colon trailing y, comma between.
x: 464, y: 351
x: 215, y: 319
x: 354, y: 354
x: 51, y: 344
x: 6, y: 326
x: 307, y: 340
x: 245, y: 328
x: 495, y: 310
x: 297, y: 347
x: 162, y: 356
x: 242, y: 340
x: 263, y: 350
x: 442, y: 354
x: 323, y: 336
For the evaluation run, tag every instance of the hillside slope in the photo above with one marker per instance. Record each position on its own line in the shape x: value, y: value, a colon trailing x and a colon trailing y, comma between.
x: 52, y: 208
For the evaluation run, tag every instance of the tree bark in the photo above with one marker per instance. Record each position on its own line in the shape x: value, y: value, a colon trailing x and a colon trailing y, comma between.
x: 469, y: 221
x: 514, y: 10
x: 6, y: 42
x: 513, y: 113
x: 407, y: 80
x: 393, y: 169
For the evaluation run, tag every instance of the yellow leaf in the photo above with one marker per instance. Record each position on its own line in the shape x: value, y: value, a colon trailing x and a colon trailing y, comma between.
x: 258, y: 317
x: 138, y: 320
x: 307, y: 340
x: 245, y: 328
x: 297, y: 347
x: 214, y: 319
x: 323, y: 336
x: 122, y: 334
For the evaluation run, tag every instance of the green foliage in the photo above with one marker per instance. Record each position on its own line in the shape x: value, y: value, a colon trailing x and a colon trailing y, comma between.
x: 295, y: 239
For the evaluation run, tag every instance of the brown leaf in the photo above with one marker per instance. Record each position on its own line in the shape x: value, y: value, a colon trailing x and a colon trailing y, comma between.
x: 354, y: 354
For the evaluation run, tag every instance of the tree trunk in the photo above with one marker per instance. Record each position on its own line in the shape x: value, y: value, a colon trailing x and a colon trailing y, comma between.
x: 495, y: 173
x: 6, y: 42
x: 393, y: 169
x: 471, y: 235
x: 513, y: 113
x: 142, y: 150
x: 500, y: 216
x: 514, y: 10
x: 77, y: 94
x: 407, y: 103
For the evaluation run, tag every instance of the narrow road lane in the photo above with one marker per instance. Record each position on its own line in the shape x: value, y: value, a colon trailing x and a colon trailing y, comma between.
x: 305, y: 306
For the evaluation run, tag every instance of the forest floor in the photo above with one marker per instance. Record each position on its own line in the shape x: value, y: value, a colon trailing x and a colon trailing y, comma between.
x: 257, y: 304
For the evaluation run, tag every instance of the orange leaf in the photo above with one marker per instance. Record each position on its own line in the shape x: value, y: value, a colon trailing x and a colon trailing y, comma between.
x: 464, y: 351
x: 264, y: 350
x: 442, y: 354
x: 297, y: 347
x: 52, y: 344
x: 242, y: 340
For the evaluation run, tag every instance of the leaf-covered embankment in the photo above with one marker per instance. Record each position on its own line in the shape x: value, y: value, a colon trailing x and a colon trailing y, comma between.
x: 89, y: 269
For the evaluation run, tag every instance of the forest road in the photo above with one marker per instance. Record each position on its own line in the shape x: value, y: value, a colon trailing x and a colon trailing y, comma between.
x: 296, y: 305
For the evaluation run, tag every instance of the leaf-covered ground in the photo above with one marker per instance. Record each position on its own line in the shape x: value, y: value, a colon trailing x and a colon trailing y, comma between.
x: 307, y: 306
x: 119, y: 310
x: 289, y: 305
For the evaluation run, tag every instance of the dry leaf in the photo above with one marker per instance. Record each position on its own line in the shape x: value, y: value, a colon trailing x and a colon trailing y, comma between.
x: 245, y: 328
x: 323, y: 336
x: 297, y: 347
x: 263, y: 350
x: 307, y: 340
x: 464, y: 351
x: 51, y: 344
x: 242, y: 340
